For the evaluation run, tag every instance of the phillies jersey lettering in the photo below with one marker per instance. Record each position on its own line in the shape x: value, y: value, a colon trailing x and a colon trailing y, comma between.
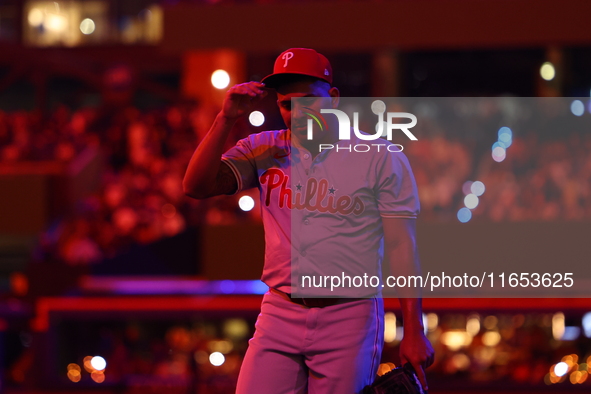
x: 313, y: 197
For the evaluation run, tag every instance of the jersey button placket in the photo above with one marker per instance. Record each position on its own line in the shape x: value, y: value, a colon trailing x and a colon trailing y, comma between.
x: 306, y: 156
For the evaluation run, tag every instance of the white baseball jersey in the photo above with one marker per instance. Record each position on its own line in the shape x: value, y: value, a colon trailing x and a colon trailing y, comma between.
x: 322, y: 215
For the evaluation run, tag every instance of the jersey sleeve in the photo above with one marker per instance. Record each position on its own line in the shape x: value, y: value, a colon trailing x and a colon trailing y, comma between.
x: 396, y: 188
x: 241, y: 160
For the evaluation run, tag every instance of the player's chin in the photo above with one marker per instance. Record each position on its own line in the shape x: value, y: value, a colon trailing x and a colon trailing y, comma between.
x: 299, y: 130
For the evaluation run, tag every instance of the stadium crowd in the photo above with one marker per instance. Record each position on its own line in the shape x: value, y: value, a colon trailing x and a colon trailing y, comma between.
x: 146, y: 152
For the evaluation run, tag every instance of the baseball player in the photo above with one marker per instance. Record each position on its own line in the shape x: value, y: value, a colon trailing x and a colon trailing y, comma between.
x: 315, y: 205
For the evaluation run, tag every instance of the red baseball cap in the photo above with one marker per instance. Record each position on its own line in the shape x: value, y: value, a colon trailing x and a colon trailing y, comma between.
x: 299, y: 61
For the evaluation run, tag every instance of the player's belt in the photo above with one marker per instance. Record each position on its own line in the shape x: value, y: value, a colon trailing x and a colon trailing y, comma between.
x: 314, y: 302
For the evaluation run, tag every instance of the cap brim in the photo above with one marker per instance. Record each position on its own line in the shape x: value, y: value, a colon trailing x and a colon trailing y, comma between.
x: 273, y: 81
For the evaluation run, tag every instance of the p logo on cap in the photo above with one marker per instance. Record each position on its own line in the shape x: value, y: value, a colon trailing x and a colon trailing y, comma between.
x: 286, y: 56
x: 299, y: 61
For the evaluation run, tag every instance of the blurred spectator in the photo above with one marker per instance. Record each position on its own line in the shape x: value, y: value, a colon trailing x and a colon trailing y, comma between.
x: 141, y: 200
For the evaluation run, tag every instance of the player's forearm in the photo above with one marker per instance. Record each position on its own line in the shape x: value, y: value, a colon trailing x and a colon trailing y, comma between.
x: 412, y: 314
x: 200, y: 176
x: 404, y: 261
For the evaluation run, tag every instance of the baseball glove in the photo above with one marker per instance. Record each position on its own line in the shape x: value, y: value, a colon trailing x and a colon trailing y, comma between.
x: 401, y: 380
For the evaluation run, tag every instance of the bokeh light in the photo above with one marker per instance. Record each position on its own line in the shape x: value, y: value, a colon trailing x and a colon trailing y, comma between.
x: 571, y: 333
x: 547, y: 71
x: 490, y: 322
x: 473, y: 325
x: 256, y: 118
x: 432, y: 321
x: 87, y: 365
x: 389, y: 327
x: 56, y: 23
x: 87, y: 26
x: 216, y: 359
x: 561, y: 368
x: 498, y: 154
x: 227, y: 286
x: 467, y: 187
x: 471, y: 201
x: 587, y: 324
x: 378, y: 107
x: 558, y: 326
x: 220, y: 79
x: 477, y: 188
x: 577, y: 108
x: 258, y: 287
x: 505, y: 136
x: 460, y: 362
x: 223, y: 346
x: 456, y: 339
x: 491, y: 338
x: 98, y: 363
x: 464, y: 215
x: 98, y: 376
x: 505, y: 133
x: 499, y: 144
x: 74, y: 372
x: 246, y: 203
x: 236, y: 328
x: 35, y: 17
